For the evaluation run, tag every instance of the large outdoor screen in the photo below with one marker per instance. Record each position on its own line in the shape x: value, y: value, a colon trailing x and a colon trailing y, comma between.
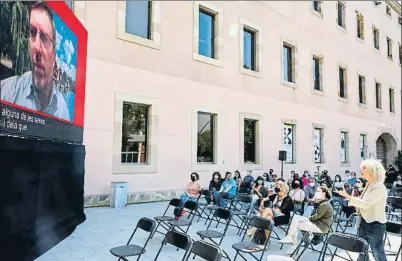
x: 42, y: 71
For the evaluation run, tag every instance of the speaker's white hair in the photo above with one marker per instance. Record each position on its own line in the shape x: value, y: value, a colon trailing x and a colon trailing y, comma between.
x: 375, y: 169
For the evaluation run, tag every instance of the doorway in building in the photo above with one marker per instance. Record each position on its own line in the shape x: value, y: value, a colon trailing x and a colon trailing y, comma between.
x: 386, y: 149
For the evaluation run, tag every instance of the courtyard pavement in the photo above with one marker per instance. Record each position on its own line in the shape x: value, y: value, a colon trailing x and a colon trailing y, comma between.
x: 106, y: 228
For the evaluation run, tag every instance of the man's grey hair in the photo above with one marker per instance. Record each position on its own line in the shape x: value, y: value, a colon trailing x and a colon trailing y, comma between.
x: 42, y: 5
x: 375, y: 169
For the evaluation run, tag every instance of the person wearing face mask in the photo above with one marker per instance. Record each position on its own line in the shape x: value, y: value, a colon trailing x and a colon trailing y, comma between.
x: 370, y: 206
x: 356, y: 192
x: 192, y: 193
x: 258, y: 192
x: 237, y: 178
x: 310, y: 193
x: 398, y: 182
x: 297, y: 195
x: 228, y: 191
x: 214, y: 185
x: 281, y: 207
x: 320, y: 222
x: 305, y: 178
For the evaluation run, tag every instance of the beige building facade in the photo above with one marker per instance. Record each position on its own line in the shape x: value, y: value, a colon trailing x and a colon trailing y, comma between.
x: 194, y: 86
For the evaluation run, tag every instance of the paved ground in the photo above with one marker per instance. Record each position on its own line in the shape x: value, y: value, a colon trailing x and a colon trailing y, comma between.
x: 106, y: 228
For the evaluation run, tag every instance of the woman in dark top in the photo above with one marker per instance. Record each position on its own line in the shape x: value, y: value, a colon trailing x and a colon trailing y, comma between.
x: 258, y: 192
x: 215, y: 184
x: 282, y: 205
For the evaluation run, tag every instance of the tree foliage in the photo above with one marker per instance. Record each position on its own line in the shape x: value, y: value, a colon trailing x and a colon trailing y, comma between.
x: 134, y: 121
x: 14, y: 33
x: 398, y: 160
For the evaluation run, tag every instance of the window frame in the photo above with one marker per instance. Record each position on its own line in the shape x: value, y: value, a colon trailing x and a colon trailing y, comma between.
x: 362, y: 101
x: 258, y: 165
x: 213, y: 122
x: 389, y: 48
x: 292, y: 45
x: 343, y: 12
x: 391, y: 98
x: 378, y: 95
x: 388, y: 10
x: 247, y: 25
x: 293, y: 123
x: 376, y: 38
x: 218, y: 33
x: 154, y: 26
x: 321, y: 129
x: 253, y: 50
x: 344, y: 81
x: 313, y: 9
x: 151, y: 165
x: 345, y: 133
x: 319, y: 59
x: 360, y: 28
x: 212, y: 15
x: 364, y: 135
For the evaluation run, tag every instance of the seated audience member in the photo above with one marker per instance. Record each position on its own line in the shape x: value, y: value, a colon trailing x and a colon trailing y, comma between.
x: 305, y: 178
x: 270, y: 183
x: 320, y: 222
x: 356, y: 192
x: 248, y: 178
x: 398, y: 182
x: 297, y: 195
x: 237, y: 178
x: 325, y: 178
x: 214, y: 185
x: 258, y: 192
x: 228, y: 191
x: 290, y: 180
x: 338, y: 182
x: 192, y: 193
x: 310, y: 192
x: 281, y: 207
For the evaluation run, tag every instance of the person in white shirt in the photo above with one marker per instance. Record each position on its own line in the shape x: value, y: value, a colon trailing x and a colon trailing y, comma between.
x: 398, y: 182
x: 297, y: 195
x: 370, y: 206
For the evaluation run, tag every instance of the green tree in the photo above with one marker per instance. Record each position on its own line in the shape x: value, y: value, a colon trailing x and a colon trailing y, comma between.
x: 14, y: 32
x: 204, y: 145
x: 398, y: 160
x: 134, y: 121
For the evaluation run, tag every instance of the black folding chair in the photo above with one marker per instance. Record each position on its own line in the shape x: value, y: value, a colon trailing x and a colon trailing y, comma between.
x: 394, y: 228
x: 146, y: 224
x: 202, y: 206
x: 206, y: 251
x: 350, y: 222
x: 212, y: 235
x: 162, y: 220
x: 190, y: 206
x: 395, y: 203
x: 348, y: 243
x: 245, y: 247
x: 177, y: 239
x: 245, y: 205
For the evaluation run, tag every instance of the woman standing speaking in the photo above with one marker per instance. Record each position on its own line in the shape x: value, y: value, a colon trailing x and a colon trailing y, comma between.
x: 370, y: 206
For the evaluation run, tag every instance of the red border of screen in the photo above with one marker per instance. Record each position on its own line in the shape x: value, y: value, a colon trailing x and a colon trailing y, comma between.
x: 69, y: 18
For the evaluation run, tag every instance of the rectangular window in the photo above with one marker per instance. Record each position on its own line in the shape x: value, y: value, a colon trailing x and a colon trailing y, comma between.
x: 288, y: 65
x: 206, y: 33
x: 362, y: 89
x: 250, y: 140
x: 288, y: 141
x: 389, y: 47
x: 138, y: 18
x: 249, y: 46
x: 317, y: 6
x: 135, y: 133
x: 360, y: 25
x: 391, y: 100
x: 341, y: 14
x: 205, y: 137
x: 388, y: 10
x: 400, y: 20
x: 344, y: 147
x: 378, y: 103
x: 317, y: 85
x: 342, y: 83
x: 362, y: 145
x: 70, y: 5
x: 376, y: 38
x: 318, y: 149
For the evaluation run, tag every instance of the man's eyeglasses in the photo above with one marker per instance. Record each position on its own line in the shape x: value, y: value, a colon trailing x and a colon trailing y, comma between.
x: 45, y: 39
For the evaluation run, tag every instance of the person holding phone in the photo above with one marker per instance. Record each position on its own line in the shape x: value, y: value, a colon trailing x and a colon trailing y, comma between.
x: 370, y: 206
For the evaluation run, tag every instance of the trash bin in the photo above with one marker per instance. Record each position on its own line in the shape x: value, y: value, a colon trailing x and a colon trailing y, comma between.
x: 119, y: 193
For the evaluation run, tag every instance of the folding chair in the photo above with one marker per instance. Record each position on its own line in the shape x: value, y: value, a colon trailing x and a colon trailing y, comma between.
x: 202, y: 206
x: 162, y: 220
x: 146, y: 224
x: 251, y: 248
x: 191, y: 206
x: 220, y: 214
x: 347, y: 243
x: 395, y: 203
x: 177, y: 239
x: 352, y: 220
x: 310, y: 240
x: 245, y: 204
x: 206, y: 251
x: 394, y: 228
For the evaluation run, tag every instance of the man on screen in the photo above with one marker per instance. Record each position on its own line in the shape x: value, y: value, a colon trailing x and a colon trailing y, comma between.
x: 36, y: 89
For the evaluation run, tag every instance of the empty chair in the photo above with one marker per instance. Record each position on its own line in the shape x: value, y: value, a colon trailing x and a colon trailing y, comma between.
x: 394, y: 228
x: 206, y: 251
x: 162, y: 220
x: 192, y: 208
x: 348, y: 243
x: 212, y: 235
x: 202, y: 206
x: 146, y: 224
x: 245, y: 247
x: 177, y: 239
